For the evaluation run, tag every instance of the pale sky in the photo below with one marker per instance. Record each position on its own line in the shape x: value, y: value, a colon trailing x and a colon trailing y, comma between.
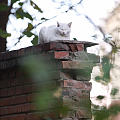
x: 97, y: 10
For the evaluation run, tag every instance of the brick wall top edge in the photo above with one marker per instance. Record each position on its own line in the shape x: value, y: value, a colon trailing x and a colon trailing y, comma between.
x: 56, y: 45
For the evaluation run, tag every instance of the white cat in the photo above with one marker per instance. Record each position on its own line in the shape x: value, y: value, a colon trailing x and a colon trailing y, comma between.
x: 53, y: 33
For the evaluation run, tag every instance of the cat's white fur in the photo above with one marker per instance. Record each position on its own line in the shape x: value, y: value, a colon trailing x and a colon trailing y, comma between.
x: 61, y: 31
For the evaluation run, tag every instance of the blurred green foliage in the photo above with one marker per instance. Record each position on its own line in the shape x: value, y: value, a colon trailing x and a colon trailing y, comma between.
x: 49, y: 93
x: 4, y: 34
x: 106, y: 67
x: 104, y: 113
x: 114, y: 91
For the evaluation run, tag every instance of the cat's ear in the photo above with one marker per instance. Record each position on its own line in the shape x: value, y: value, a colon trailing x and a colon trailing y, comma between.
x: 69, y: 24
x: 58, y: 24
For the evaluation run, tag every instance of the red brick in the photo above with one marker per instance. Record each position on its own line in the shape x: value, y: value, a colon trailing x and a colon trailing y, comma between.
x: 55, y: 46
x: 75, y: 65
x: 37, y: 49
x: 4, y: 83
x: 70, y: 64
x: 77, y: 84
x: 12, y: 82
x: 29, y: 50
x: 3, y: 92
x: 11, y: 91
x: 30, y: 97
x: 19, y: 99
x: 73, y: 47
x: 19, y: 90
x: 80, y: 47
x: 12, y: 74
x: 23, y: 89
x: 14, y: 117
x: 58, y: 46
x: 13, y: 100
x: 33, y: 116
x: 27, y: 89
x: 75, y: 92
x: 21, y: 52
x: 14, y: 53
x: 16, y: 109
x: 61, y: 55
x: 82, y: 113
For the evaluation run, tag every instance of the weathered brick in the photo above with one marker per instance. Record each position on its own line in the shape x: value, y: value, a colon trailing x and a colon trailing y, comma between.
x: 83, y: 85
x: 83, y: 113
x: 17, y: 90
x: 61, y: 55
x: 33, y: 116
x: 14, y: 54
x: 80, y: 47
x: 37, y: 49
x: 75, y: 65
x: 55, y: 46
x: 21, y: 52
x: 73, y: 47
x: 14, y: 100
x: 76, y: 93
x: 29, y: 51
x: 58, y: 46
x: 3, y: 92
x: 25, y: 89
x: 30, y: 97
x: 14, y: 117
x: 11, y: 91
x: 65, y: 76
x: 16, y: 109
x: 4, y: 84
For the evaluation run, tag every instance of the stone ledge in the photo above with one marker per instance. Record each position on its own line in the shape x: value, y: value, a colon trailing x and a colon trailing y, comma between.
x: 65, y: 50
x: 55, y: 46
x: 83, y: 85
x: 76, y: 65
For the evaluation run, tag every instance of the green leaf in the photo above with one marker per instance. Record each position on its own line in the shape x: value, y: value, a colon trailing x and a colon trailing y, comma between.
x: 44, y: 18
x: 36, y: 7
x: 20, y: 14
x: 75, y: 39
x: 28, y: 33
x: 114, y: 91
x: 100, y: 97
x: 3, y: 7
x: 97, y: 78
x: 27, y: 15
x: 30, y: 27
x: 20, y: 3
x: 4, y: 34
x: 35, y: 40
x: 106, y: 66
x: 14, y: 1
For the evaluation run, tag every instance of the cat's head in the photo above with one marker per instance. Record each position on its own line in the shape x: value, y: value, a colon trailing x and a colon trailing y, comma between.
x: 64, y: 29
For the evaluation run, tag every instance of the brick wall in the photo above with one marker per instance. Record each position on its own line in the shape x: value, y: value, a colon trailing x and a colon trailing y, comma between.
x: 17, y: 88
